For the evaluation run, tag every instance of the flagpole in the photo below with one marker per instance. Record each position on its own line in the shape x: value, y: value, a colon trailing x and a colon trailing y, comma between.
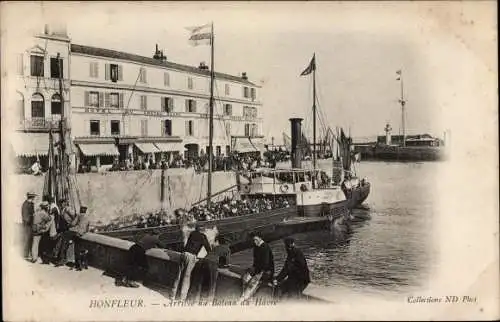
x: 211, y: 117
x: 314, y: 122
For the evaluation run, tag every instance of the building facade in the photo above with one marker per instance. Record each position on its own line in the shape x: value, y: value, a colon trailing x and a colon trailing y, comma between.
x: 39, y: 103
x: 135, y: 107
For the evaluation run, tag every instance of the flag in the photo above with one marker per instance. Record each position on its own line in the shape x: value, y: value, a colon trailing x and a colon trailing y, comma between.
x: 398, y: 72
x: 201, y: 35
x: 311, y: 67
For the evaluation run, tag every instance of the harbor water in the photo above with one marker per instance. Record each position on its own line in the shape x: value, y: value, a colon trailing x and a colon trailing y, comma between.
x: 392, y: 252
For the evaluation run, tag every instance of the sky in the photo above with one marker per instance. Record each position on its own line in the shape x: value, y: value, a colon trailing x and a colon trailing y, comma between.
x: 359, y: 46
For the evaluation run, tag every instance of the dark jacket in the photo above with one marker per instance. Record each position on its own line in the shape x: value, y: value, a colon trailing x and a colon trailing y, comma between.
x: 195, y: 241
x: 295, y: 268
x: 221, y: 255
x: 28, y: 211
x: 263, y: 259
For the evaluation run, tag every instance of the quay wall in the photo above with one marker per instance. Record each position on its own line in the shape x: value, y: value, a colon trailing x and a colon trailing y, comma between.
x: 109, y: 254
x: 110, y: 195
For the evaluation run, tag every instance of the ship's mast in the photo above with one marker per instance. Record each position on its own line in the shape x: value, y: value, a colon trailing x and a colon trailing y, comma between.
x: 211, y: 118
x: 62, y: 139
x: 402, y: 101
x: 314, y: 124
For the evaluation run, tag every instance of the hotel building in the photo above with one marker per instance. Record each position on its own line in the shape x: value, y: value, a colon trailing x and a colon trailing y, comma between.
x: 129, y: 106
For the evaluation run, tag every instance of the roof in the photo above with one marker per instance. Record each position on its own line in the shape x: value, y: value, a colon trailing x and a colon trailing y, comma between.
x: 108, y: 53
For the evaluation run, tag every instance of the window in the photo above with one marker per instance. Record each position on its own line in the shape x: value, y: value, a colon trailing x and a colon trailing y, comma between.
x: 20, y: 64
x: 114, y: 72
x: 166, y: 79
x: 190, y: 83
x: 247, y: 129
x: 144, y: 102
x: 189, y: 128
x: 142, y: 75
x: 55, y: 105
x: 226, y: 89
x: 191, y: 106
x: 94, y: 69
x: 228, y: 129
x: 228, y: 109
x: 167, y: 104
x: 252, y: 93
x: 245, y: 92
x: 36, y: 65
x: 167, y: 127
x: 254, y: 131
x: 144, y: 127
x: 95, y: 127
x: 228, y: 150
x: 55, y: 68
x: 217, y: 150
x: 37, y: 105
x: 93, y: 99
x: 249, y: 112
x: 115, y: 127
x: 113, y: 100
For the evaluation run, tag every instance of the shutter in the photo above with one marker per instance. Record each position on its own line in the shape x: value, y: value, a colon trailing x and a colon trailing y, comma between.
x: 107, y: 102
x: 170, y: 104
x: 146, y: 127
x: 144, y: 76
x: 101, y: 99
x: 91, y: 71
x: 187, y: 127
x: 187, y: 105
x: 120, y: 100
x: 107, y: 72
x: 194, y: 106
x: 163, y: 103
x: 104, y: 129
x: 86, y: 98
x: 145, y: 102
x: 120, y: 72
x: 96, y: 70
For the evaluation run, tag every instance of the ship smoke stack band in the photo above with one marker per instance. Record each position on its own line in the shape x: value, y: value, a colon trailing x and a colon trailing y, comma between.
x: 296, y: 124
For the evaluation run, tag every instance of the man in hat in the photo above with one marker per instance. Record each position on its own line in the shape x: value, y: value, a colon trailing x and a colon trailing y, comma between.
x: 79, y: 227
x: 27, y: 213
x: 41, y: 225
x: 294, y: 277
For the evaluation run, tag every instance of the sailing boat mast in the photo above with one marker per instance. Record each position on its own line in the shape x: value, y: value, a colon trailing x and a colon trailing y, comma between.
x: 62, y: 139
x: 211, y: 117
x: 314, y: 123
x: 402, y: 101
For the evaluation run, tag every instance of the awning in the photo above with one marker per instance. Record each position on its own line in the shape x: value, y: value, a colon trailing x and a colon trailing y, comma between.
x: 147, y: 147
x: 170, y: 147
x: 98, y: 149
x: 243, y: 145
x: 30, y: 144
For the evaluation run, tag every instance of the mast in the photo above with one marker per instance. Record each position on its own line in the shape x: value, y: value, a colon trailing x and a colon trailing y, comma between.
x: 403, y: 103
x: 314, y: 123
x: 62, y: 139
x: 211, y: 117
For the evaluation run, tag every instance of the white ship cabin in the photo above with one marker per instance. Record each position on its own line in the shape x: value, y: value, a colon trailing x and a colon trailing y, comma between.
x: 285, y: 181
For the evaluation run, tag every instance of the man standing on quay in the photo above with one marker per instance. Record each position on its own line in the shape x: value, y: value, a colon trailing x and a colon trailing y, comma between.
x: 27, y: 213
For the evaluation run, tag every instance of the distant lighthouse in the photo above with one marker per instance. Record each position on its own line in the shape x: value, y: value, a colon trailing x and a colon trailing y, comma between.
x: 388, y: 130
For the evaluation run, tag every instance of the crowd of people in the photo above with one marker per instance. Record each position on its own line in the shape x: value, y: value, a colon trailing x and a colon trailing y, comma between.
x: 201, y: 213
x: 51, y: 233
x: 55, y: 234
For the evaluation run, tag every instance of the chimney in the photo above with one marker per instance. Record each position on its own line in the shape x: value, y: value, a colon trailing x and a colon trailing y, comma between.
x: 244, y: 76
x: 202, y: 66
x: 296, y: 142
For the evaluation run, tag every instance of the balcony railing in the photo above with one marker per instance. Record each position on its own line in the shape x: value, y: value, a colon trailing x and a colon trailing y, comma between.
x: 39, y: 123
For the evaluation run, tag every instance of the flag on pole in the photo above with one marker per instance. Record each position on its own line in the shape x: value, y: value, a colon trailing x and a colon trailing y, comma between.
x: 398, y: 72
x: 200, y: 35
x: 311, y: 67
